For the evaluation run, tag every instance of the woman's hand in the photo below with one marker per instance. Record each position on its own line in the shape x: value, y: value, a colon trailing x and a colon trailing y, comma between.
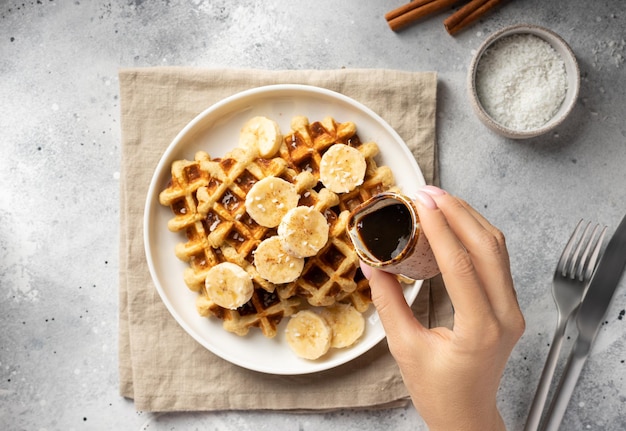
x: 453, y: 375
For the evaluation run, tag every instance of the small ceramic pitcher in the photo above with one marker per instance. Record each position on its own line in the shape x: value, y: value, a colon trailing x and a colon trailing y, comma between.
x: 386, y: 234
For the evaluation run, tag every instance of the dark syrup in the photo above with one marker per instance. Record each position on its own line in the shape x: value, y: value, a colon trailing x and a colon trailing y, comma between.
x: 386, y: 232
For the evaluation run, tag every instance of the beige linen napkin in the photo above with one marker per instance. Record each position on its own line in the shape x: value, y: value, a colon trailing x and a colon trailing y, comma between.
x: 164, y: 369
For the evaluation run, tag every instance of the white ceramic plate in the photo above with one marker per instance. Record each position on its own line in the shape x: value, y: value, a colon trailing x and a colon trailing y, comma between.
x: 216, y: 131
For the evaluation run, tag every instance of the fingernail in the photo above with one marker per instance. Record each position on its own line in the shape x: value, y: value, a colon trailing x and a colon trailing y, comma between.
x: 433, y: 190
x: 426, y: 200
x: 366, y: 269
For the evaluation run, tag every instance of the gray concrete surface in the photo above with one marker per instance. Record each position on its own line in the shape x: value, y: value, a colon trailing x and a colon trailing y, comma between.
x: 60, y: 161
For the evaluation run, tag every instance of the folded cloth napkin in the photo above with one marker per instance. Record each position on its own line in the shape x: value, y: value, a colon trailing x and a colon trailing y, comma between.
x: 164, y: 369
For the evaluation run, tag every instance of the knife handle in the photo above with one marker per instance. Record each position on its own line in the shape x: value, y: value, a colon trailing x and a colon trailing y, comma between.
x: 563, y: 394
x: 539, y: 401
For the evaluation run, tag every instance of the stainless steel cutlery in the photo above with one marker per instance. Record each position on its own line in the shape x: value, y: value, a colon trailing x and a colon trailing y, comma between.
x: 571, y: 278
x: 585, y: 294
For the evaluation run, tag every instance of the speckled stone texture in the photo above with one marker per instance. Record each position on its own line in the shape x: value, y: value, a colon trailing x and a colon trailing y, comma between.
x: 59, y: 158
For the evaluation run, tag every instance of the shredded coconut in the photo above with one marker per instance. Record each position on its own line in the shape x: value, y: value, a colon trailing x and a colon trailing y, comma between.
x: 213, y: 225
x: 521, y: 81
x: 227, y: 198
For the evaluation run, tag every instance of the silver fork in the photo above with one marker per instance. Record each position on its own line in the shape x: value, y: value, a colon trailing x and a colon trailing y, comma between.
x: 571, y: 278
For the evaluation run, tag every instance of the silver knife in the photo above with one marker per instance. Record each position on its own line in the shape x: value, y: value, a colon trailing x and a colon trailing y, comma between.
x: 590, y: 316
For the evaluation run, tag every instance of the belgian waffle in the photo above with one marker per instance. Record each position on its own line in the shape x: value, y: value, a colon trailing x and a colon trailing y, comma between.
x: 305, y: 146
x: 333, y: 274
x: 265, y: 311
x: 207, y: 197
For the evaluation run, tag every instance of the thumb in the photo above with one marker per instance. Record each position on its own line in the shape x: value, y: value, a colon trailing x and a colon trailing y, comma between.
x: 394, y: 312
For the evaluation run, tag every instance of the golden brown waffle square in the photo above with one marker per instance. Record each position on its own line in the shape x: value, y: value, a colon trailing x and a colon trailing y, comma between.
x: 331, y: 271
x: 361, y: 297
x: 333, y: 274
x: 207, y: 197
x: 265, y: 311
x: 306, y: 144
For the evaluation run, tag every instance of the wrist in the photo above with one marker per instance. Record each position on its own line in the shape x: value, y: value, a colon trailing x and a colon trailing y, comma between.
x: 473, y: 421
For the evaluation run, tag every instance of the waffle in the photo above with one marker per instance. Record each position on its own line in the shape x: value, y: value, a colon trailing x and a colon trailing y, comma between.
x: 305, y: 146
x: 207, y: 197
x: 265, y: 311
x: 333, y: 274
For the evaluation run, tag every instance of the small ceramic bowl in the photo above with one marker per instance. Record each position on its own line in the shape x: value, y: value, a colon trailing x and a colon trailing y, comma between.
x: 572, y: 80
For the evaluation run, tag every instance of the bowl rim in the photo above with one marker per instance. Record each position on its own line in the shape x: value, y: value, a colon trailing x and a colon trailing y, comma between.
x: 571, y: 68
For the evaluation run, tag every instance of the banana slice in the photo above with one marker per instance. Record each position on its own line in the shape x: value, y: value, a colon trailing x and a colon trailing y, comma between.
x: 342, y: 168
x: 308, y: 334
x: 228, y: 285
x: 261, y: 133
x: 303, y: 231
x: 270, y: 199
x: 346, y: 323
x: 274, y: 264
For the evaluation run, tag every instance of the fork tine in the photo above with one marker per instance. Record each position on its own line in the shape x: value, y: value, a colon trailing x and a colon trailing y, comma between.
x: 593, y: 259
x: 582, y: 264
x: 571, y: 272
x: 561, y: 267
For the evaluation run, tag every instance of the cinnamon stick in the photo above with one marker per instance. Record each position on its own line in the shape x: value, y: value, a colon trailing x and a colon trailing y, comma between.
x: 417, y: 9
x: 469, y: 13
x: 408, y: 7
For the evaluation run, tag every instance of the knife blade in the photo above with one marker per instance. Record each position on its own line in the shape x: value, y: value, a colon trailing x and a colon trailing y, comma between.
x: 590, y: 316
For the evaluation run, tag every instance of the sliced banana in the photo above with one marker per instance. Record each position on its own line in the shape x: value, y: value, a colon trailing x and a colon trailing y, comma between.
x: 342, y: 168
x: 303, y: 231
x: 228, y: 285
x: 274, y: 264
x: 261, y: 133
x: 308, y: 335
x: 346, y: 323
x: 270, y: 199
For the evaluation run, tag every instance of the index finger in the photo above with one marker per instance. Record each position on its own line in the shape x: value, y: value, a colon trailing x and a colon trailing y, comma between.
x: 486, y: 247
x: 465, y: 289
x: 491, y: 259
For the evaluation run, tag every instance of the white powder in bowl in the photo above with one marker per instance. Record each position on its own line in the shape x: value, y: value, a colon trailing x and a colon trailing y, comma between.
x: 521, y: 81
